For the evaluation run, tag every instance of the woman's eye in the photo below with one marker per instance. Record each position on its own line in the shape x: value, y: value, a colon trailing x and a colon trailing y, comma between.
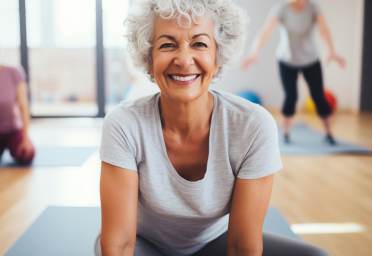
x: 200, y: 45
x: 166, y: 46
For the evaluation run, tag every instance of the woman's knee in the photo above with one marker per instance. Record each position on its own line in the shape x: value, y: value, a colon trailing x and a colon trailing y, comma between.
x: 25, y: 158
x: 323, y: 108
x: 316, y: 251
x: 289, y: 109
x: 277, y: 245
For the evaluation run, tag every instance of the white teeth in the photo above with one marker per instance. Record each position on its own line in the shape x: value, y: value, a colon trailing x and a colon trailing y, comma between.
x: 183, y: 78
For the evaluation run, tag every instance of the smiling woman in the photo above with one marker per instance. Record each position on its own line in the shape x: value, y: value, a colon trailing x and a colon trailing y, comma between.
x: 189, y: 170
x: 183, y: 59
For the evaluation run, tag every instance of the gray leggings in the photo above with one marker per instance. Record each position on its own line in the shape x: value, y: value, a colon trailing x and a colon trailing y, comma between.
x: 274, y: 245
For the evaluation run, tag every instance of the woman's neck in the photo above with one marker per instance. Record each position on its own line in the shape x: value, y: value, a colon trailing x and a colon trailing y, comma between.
x: 188, y: 118
x: 298, y: 5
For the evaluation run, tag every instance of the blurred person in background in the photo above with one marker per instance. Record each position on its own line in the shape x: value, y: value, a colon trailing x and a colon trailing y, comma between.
x: 15, y: 116
x: 297, y: 53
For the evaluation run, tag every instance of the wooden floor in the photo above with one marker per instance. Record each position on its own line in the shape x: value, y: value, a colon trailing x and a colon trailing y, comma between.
x: 310, y: 190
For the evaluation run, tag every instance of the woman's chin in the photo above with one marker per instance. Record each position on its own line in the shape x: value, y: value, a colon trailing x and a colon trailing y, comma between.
x: 185, y: 96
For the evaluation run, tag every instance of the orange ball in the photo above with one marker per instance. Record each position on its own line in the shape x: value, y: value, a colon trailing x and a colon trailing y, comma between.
x: 331, y: 99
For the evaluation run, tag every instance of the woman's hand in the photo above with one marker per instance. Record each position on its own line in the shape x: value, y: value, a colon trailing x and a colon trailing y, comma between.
x: 25, y: 148
x: 261, y: 39
x: 249, y: 61
x: 334, y: 57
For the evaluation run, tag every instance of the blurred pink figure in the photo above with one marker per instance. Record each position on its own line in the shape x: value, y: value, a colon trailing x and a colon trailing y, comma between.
x: 14, y: 115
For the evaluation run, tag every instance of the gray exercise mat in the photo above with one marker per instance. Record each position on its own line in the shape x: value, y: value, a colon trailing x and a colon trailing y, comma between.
x: 275, y: 223
x: 307, y: 141
x: 61, y: 231
x: 54, y: 156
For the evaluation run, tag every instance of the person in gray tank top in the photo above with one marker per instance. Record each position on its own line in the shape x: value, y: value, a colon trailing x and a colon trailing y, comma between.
x: 297, y: 53
x: 189, y: 170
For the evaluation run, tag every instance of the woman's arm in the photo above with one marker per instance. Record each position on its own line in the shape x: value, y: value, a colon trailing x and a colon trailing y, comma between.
x: 25, y: 148
x: 119, y: 196
x: 248, y: 209
x: 260, y: 41
x: 22, y: 102
x: 327, y: 38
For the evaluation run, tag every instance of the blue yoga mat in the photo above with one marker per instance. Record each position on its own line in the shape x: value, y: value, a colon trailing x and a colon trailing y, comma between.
x: 73, y: 230
x: 54, y: 156
x: 307, y: 141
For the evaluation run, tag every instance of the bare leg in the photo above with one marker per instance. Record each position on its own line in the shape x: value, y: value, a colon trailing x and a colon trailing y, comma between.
x: 287, y: 124
x: 327, y: 126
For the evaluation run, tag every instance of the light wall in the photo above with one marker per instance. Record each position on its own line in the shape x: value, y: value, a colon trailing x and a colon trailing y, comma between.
x: 345, y: 19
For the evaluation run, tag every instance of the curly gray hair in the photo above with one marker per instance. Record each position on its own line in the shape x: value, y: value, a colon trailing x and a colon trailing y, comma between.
x: 228, y: 18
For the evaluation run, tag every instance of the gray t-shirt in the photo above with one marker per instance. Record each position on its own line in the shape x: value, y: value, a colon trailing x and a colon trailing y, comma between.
x: 297, y: 45
x: 178, y: 215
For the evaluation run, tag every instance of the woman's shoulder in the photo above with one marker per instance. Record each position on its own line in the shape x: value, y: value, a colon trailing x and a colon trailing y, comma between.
x: 242, y: 112
x: 129, y: 111
x: 17, y: 73
x: 15, y: 70
x: 12, y: 69
x: 279, y: 8
x: 314, y: 6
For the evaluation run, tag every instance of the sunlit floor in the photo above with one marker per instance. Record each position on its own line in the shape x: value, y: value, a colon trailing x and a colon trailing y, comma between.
x: 326, y: 199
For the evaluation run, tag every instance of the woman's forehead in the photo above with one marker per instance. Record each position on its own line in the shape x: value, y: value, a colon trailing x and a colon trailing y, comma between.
x: 172, y: 27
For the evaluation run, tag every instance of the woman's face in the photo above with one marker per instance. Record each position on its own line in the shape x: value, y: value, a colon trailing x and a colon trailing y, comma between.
x: 183, y: 59
x: 299, y: 2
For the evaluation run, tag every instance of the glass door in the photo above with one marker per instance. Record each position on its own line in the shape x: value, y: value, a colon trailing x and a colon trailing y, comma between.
x: 61, y: 37
x: 117, y: 77
x: 9, y: 27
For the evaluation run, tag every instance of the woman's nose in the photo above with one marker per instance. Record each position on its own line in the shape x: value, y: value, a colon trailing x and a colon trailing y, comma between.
x: 184, y: 57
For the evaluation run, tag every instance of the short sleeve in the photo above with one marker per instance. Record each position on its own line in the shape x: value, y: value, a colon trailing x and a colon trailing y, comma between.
x: 277, y: 11
x: 263, y: 156
x: 316, y: 8
x: 18, y: 75
x: 115, y: 147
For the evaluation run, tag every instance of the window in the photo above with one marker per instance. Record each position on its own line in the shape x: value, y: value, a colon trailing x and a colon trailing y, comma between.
x: 61, y: 41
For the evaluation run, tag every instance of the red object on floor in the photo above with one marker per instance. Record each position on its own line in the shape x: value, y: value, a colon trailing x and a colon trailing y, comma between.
x: 331, y: 99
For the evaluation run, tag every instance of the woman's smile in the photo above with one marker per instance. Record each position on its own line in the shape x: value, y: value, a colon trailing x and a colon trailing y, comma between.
x: 184, y: 79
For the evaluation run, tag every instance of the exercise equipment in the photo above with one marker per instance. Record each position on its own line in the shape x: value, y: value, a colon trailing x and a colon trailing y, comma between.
x: 308, y: 141
x: 53, y: 156
x: 250, y: 96
x: 330, y: 98
x: 71, y: 231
